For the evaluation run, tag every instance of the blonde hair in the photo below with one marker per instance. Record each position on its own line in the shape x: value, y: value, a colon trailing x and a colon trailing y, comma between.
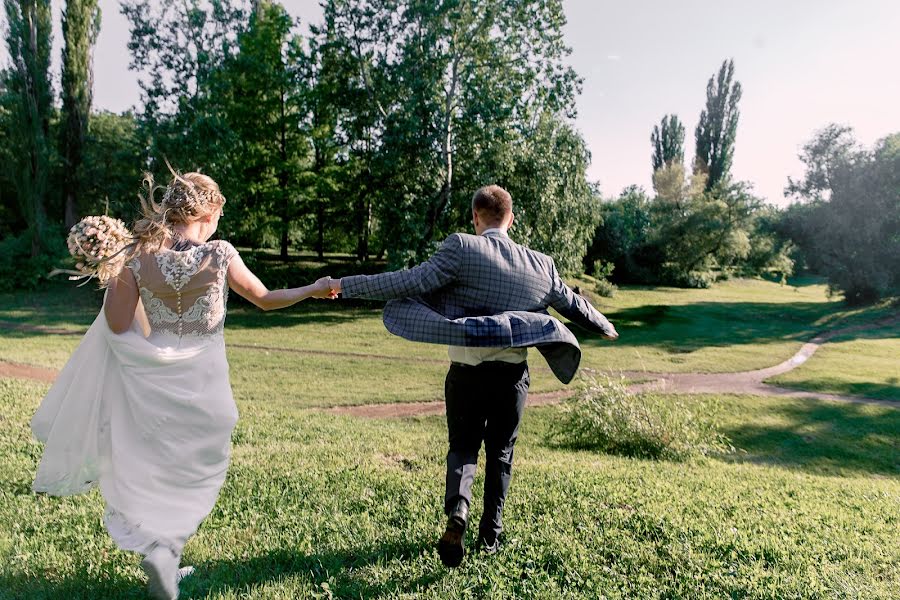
x: 187, y: 198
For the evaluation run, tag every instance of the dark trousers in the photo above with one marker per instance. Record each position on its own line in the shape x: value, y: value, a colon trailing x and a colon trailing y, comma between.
x: 484, y: 404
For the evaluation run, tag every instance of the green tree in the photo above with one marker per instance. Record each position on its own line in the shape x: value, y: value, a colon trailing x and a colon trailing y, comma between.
x: 80, y: 27
x: 717, y: 129
x: 28, y: 102
x: 668, y: 142
x: 622, y: 238
x: 433, y: 74
x: 849, y: 226
x: 556, y: 209
x: 258, y: 92
x: 111, y: 169
x: 177, y: 47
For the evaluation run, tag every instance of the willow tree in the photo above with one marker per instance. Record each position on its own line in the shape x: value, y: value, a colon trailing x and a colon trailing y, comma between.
x: 28, y: 100
x: 80, y: 26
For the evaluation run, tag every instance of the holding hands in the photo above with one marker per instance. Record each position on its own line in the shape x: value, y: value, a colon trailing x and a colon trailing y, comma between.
x: 323, y: 288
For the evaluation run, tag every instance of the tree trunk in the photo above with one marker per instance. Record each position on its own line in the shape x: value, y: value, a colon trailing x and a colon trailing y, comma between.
x: 283, y: 182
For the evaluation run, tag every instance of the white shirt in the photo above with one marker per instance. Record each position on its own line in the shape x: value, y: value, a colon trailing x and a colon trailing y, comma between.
x: 476, y: 356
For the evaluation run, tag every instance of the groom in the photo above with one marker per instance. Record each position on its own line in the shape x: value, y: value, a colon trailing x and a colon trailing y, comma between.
x: 486, y: 297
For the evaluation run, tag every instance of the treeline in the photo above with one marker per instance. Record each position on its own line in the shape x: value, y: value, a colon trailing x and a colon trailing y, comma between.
x: 702, y: 226
x: 368, y: 134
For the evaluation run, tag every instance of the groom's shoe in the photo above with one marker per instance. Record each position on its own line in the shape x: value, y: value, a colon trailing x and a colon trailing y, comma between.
x: 161, y: 567
x: 451, y: 546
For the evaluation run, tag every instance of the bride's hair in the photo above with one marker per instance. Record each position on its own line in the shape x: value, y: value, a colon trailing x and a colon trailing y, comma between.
x: 187, y: 198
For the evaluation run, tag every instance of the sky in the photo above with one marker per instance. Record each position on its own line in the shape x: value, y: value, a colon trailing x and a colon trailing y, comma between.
x: 802, y: 64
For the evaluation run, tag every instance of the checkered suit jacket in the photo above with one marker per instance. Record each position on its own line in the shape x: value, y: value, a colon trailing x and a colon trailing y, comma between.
x: 483, y: 291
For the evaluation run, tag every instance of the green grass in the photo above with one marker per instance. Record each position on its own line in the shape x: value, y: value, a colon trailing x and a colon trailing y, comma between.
x: 737, y: 325
x: 862, y: 364
x: 321, y: 506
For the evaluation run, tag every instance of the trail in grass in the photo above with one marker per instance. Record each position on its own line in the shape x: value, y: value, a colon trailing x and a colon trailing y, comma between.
x: 744, y: 382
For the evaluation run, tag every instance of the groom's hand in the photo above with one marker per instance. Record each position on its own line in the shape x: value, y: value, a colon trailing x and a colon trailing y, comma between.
x: 322, y: 289
x: 610, y: 334
x: 335, y: 285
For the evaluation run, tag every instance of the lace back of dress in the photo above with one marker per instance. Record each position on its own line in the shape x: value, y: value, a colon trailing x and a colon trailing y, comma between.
x: 184, y: 292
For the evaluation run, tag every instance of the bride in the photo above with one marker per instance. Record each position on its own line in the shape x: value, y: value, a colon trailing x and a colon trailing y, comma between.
x: 144, y: 407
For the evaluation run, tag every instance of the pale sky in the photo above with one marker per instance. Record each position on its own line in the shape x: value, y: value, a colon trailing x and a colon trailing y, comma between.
x: 802, y: 64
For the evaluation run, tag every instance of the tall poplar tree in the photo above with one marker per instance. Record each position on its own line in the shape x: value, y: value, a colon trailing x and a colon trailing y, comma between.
x: 80, y: 26
x: 668, y: 142
x: 716, y: 131
x: 29, y: 102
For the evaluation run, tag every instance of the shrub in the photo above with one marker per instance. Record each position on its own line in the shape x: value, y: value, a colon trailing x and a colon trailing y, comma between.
x: 19, y: 270
x: 606, y: 417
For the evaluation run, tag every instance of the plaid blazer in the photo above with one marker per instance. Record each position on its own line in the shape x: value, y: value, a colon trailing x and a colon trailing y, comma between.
x: 483, y: 291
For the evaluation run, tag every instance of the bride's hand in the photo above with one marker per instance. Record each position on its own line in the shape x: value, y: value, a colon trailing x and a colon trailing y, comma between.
x: 322, y: 289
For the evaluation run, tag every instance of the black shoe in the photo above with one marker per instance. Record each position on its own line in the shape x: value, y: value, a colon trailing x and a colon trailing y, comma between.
x: 451, y: 546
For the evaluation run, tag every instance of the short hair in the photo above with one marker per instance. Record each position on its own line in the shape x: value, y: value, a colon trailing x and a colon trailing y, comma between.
x: 493, y: 203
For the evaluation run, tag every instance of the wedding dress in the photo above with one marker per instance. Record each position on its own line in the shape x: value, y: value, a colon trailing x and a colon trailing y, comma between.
x: 147, y: 415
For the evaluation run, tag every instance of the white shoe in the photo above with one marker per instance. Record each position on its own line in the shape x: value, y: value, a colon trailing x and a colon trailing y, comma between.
x: 161, y: 567
x: 182, y: 573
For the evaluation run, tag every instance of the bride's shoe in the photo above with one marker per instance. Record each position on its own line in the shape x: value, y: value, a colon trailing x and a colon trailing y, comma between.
x: 161, y: 567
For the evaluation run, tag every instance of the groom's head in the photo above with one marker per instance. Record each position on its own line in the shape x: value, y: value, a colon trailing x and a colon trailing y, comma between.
x: 491, y: 207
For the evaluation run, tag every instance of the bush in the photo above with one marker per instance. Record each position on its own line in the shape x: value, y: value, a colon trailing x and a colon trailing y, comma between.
x: 18, y: 269
x: 606, y: 417
x: 602, y: 271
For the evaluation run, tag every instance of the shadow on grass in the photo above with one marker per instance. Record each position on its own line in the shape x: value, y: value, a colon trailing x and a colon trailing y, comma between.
x: 823, y: 438
x: 338, y: 572
x: 332, y: 575
x: 689, y: 327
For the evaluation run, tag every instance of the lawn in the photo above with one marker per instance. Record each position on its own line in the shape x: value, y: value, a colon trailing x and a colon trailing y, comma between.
x: 318, y: 505
x: 322, y: 506
x: 862, y: 364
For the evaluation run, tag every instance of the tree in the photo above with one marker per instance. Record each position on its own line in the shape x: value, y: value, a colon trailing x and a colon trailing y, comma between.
x: 431, y: 74
x: 832, y: 149
x: 177, y: 47
x: 849, y: 226
x: 716, y: 131
x: 80, y: 26
x: 257, y: 91
x: 668, y: 142
x: 622, y: 238
x: 28, y: 100
x: 556, y: 210
x: 111, y: 169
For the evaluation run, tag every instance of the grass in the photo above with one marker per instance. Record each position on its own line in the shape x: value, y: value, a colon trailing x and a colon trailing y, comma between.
x: 318, y: 505
x: 866, y: 364
x: 321, y: 506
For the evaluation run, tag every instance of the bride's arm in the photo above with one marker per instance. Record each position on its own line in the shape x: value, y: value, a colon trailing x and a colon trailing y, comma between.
x: 121, y: 301
x: 246, y: 284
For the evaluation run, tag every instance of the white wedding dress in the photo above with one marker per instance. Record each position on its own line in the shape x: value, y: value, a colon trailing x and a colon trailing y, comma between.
x: 147, y: 415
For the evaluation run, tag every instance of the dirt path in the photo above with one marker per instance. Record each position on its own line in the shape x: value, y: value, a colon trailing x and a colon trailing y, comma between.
x: 744, y: 382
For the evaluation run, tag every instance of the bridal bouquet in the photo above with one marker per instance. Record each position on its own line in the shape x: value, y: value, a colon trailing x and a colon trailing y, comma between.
x: 97, y: 243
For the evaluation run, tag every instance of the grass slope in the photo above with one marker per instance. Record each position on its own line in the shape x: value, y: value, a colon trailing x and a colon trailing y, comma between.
x: 319, y: 506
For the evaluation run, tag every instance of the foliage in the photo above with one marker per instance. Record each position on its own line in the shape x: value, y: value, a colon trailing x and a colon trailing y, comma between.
x: 112, y: 166
x: 19, y: 268
x: 688, y: 236
x: 256, y: 92
x: 80, y: 27
x: 606, y: 417
x: 556, y: 209
x: 849, y: 229
x: 27, y: 104
x: 717, y: 128
x: 668, y: 142
x: 437, y: 97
